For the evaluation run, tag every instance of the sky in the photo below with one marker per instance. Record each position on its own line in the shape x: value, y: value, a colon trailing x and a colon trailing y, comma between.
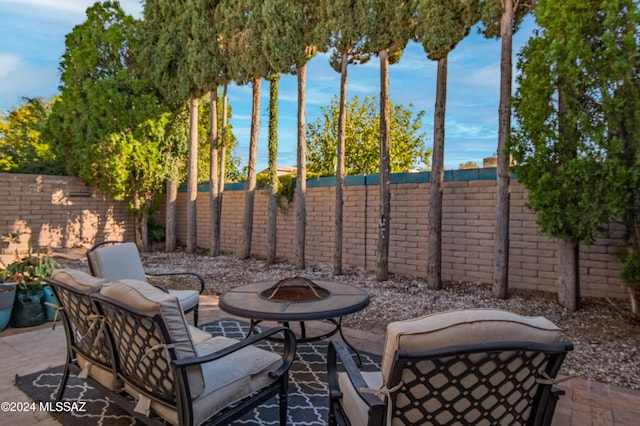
x: 32, y: 36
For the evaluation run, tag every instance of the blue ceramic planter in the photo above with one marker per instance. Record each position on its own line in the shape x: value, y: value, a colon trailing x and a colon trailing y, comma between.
x: 7, y: 297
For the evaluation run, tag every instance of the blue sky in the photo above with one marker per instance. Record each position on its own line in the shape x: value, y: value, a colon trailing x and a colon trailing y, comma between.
x: 32, y: 34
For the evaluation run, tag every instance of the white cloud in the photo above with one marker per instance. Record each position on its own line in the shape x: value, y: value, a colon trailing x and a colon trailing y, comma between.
x: 73, y: 7
x: 8, y: 64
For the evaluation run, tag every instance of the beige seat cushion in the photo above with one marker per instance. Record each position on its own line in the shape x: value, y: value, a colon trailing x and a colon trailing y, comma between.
x: 88, y: 284
x: 150, y: 300
x: 79, y: 280
x: 354, y: 407
x: 102, y: 375
x: 441, y: 330
x: 463, y: 327
x: 214, y: 385
x: 227, y: 380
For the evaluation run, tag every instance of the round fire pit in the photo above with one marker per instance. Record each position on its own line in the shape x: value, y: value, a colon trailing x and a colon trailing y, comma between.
x: 296, y: 289
x: 296, y: 299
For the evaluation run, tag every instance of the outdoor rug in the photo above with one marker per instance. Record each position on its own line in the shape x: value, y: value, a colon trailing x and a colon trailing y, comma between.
x: 308, y: 395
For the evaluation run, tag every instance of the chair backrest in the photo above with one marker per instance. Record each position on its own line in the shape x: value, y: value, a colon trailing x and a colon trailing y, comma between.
x: 472, y: 367
x: 463, y: 327
x: 116, y: 261
x: 82, y: 322
x: 148, y: 329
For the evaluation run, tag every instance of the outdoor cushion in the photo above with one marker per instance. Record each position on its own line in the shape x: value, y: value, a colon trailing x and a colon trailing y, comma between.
x: 124, y: 255
x: 436, y: 331
x: 214, y: 385
x: 102, y: 375
x: 150, y: 300
x: 79, y: 280
x: 356, y: 408
x: 122, y: 261
x: 463, y: 327
x: 227, y: 380
x: 88, y: 284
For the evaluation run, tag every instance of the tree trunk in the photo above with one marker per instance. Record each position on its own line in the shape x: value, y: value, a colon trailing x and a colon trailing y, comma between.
x: 171, y: 239
x: 214, y: 250
x: 301, y: 175
x: 139, y: 223
x: 434, y: 268
x: 272, y: 219
x: 503, y: 179
x: 382, y: 261
x: 340, y: 168
x: 247, y: 224
x: 223, y: 152
x: 569, y: 274
x: 192, y: 180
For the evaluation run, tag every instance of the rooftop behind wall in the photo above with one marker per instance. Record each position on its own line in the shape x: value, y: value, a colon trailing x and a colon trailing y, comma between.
x: 469, y: 206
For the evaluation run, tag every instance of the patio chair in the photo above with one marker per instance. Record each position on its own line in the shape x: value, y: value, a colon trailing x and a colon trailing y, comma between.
x: 84, y: 357
x: 178, y: 379
x: 88, y: 356
x: 477, y: 366
x: 115, y: 260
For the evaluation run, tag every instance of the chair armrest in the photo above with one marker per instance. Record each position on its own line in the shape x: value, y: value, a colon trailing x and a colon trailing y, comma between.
x: 164, y: 289
x: 289, y: 350
x: 337, y: 349
x: 168, y: 274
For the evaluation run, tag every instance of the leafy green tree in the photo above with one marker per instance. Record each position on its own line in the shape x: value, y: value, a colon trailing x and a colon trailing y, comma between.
x: 346, y: 21
x: 22, y: 148
x: 232, y: 160
x: 108, y: 123
x: 501, y: 18
x: 575, y: 107
x: 240, y: 23
x: 440, y: 26
x: 390, y: 28
x: 619, y: 81
x: 297, y: 32
x: 182, y: 65
x: 280, y: 61
x: 468, y: 165
x: 362, y: 135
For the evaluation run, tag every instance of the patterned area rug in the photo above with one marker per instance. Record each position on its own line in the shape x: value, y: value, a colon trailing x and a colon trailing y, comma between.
x: 308, y: 400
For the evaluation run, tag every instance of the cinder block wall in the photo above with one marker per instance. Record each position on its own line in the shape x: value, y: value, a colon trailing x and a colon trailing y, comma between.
x: 57, y: 212
x: 467, y: 231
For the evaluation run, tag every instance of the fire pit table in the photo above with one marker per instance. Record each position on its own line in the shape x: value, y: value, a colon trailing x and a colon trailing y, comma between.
x: 296, y: 300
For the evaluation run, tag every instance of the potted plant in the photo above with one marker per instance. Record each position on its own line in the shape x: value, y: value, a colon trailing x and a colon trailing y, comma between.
x: 630, y: 276
x: 7, y: 297
x: 28, y: 273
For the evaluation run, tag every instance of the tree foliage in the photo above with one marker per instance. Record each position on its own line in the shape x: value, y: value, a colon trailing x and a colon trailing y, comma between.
x: 577, y: 109
x: 560, y: 145
x: 232, y: 161
x: 362, y: 136
x: 108, y: 123
x: 441, y: 25
x: 492, y: 11
x: 22, y: 147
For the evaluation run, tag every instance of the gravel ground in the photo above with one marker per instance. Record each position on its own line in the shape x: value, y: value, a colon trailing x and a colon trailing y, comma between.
x: 605, y: 335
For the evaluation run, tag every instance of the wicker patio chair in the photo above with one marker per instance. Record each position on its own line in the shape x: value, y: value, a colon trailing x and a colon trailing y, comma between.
x: 182, y: 381
x: 115, y: 260
x: 471, y: 367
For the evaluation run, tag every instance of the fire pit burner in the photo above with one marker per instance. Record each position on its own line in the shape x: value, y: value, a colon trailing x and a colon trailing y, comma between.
x: 297, y: 289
